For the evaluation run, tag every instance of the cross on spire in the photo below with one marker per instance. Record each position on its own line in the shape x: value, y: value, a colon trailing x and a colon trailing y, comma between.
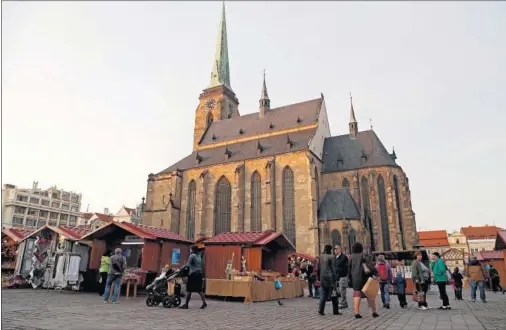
x: 220, y: 75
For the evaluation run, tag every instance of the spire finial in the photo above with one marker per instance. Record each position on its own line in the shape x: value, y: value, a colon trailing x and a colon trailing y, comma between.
x: 265, y: 102
x: 353, y: 125
x: 221, y: 70
x: 352, y: 111
x: 370, y: 122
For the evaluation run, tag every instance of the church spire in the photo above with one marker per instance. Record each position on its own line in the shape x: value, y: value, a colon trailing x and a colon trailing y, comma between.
x: 221, y: 70
x: 353, y: 125
x: 264, y: 103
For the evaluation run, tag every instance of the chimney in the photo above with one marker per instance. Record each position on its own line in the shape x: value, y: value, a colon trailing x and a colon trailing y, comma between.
x: 106, y: 211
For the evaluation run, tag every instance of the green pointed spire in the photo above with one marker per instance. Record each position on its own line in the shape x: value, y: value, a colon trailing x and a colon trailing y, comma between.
x: 221, y: 71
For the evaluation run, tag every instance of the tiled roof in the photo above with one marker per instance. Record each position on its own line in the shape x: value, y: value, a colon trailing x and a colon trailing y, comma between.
x: 343, y: 153
x: 75, y: 233
x: 104, y: 217
x: 270, y: 146
x: 87, y: 216
x: 432, y: 234
x: 17, y: 234
x: 338, y: 204
x: 149, y: 232
x: 434, y: 242
x: 281, y: 118
x: 131, y: 211
x: 501, y: 239
x: 255, y: 238
x: 483, y: 232
x: 489, y: 255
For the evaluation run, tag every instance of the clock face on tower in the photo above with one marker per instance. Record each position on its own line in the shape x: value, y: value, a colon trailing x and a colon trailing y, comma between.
x: 210, y: 104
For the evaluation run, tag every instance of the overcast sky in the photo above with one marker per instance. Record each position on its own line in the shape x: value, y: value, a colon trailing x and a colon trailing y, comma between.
x: 97, y: 95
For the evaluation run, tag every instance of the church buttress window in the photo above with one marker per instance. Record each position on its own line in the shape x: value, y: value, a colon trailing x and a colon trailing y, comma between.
x: 222, y: 206
x: 256, y: 202
x: 346, y: 183
x: 336, y: 237
x: 190, y: 211
x: 385, y: 228
x: 289, y: 205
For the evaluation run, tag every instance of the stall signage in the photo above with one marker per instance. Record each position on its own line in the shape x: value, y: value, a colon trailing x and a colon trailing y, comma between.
x: 176, y: 254
x: 133, y: 238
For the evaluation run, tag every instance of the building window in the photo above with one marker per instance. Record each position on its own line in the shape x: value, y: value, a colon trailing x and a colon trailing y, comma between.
x: 190, y: 210
x: 34, y: 200
x: 346, y: 183
x: 21, y: 198
x: 65, y: 206
x: 317, y: 187
x: 352, y: 238
x: 75, y: 199
x: 45, y: 194
x: 45, y: 202
x: 72, y: 220
x: 65, y: 197
x: 55, y: 195
x: 75, y: 208
x: 17, y: 221
x: 52, y: 222
x: 256, y: 202
x: 367, y: 210
x: 289, y: 205
x: 41, y: 223
x: 30, y: 222
x: 53, y: 215
x: 385, y: 230
x: 19, y: 210
x: 55, y: 205
x: 399, y: 211
x: 33, y: 212
x: 43, y: 214
x: 64, y: 217
x: 458, y: 242
x: 336, y: 237
x: 222, y: 206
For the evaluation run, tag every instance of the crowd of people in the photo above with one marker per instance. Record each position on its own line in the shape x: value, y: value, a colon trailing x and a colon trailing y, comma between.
x: 330, y: 275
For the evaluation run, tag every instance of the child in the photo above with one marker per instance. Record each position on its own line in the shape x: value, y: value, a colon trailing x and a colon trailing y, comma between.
x: 457, y: 283
x: 400, y: 285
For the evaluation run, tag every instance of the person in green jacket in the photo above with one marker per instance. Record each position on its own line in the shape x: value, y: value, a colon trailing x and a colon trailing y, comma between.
x: 105, y: 261
x: 441, y: 278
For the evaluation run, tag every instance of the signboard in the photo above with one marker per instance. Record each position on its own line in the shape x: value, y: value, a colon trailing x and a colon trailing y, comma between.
x: 176, y: 253
x: 133, y: 238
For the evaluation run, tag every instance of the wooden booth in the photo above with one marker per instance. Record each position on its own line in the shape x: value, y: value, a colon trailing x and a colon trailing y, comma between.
x: 402, y: 261
x: 11, y: 237
x: 39, y: 252
x: 147, y: 250
x: 500, y: 264
x: 246, y: 265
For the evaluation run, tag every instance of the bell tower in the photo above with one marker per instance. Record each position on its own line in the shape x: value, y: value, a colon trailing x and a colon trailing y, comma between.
x: 218, y: 100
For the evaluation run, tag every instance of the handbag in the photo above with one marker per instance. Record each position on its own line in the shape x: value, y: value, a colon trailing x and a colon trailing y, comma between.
x: 277, y: 284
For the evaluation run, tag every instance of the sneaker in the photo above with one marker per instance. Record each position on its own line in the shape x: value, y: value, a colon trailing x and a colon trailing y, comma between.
x: 321, y: 313
x: 387, y: 306
x: 204, y: 306
x: 484, y: 301
x: 423, y: 308
x: 183, y: 307
x: 358, y: 316
x: 473, y: 300
x: 104, y: 302
x: 115, y: 302
x: 375, y: 315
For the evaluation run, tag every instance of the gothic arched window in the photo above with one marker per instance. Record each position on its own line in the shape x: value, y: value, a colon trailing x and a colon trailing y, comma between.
x: 256, y: 202
x: 317, y: 187
x: 222, y: 206
x: 210, y: 119
x: 367, y: 209
x: 336, y: 237
x: 385, y: 230
x: 352, y: 238
x: 346, y: 183
x: 289, y: 205
x: 190, y: 210
x: 399, y: 211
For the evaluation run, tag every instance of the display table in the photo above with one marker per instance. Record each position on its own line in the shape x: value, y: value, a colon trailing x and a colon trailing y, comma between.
x: 253, y: 291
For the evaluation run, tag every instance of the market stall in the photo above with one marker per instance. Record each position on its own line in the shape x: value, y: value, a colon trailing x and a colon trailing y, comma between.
x: 401, y: 261
x: 147, y: 249
x: 246, y: 265
x: 11, y: 238
x: 38, y: 255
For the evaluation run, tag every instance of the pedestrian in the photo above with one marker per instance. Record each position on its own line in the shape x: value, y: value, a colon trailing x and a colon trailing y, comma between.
x: 420, y: 274
x: 317, y: 279
x: 328, y: 281
x: 476, y: 276
x: 311, y: 278
x: 495, y: 280
x: 103, y: 271
x: 116, y: 269
x: 359, y: 271
x: 194, y: 282
x: 342, y: 270
x: 457, y: 282
x: 385, y: 277
x: 400, y: 287
x: 441, y: 278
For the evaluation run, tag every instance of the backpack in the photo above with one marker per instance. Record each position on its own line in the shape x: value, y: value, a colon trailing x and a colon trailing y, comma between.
x: 383, y: 272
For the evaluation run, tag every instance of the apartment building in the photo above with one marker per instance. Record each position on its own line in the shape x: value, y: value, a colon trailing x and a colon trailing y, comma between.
x: 35, y: 207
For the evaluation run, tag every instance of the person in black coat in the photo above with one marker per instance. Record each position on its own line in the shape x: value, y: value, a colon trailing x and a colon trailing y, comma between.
x: 327, y: 274
x: 342, y: 275
x: 358, y: 277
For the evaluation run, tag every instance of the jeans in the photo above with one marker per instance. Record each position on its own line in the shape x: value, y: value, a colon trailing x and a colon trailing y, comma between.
x: 343, y: 285
x: 115, y: 289
x: 310, y: 287
x: 385, y: 293
x: 458, y: 292
x: 103, y: 276
x: 324, y: 296
x: 496, y: 285
x: 474, y: 286
x: 402, y: 300
x: 442, y: 292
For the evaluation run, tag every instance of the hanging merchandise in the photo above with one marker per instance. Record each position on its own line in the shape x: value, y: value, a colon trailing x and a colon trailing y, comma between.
x: 40, y: 258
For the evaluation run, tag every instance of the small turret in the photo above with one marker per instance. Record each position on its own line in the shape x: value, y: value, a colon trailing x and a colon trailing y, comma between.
x: 264, y: 103
x: 353, y: 125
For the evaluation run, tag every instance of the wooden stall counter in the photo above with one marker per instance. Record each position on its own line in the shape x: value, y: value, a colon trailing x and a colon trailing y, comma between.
x: 253, y: 291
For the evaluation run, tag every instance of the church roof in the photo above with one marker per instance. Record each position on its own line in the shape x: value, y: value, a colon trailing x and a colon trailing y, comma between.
x: 343, y: 153
x: 338, y: 204
x: 270, y: 146
x: 276, y: 119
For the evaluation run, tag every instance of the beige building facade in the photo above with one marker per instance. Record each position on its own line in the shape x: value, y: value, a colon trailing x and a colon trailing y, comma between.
x: 280, y: 169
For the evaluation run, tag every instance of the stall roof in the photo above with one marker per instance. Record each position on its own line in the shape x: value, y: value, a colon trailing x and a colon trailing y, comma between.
x: 17, y: 234
x: 254, y: 238
x: 303, y: 256
x: 488, y: 255
x: 143, y: 231
x: 72, y: 233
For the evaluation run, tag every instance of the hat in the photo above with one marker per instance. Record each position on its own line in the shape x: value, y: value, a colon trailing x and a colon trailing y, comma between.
x: 337, y: 247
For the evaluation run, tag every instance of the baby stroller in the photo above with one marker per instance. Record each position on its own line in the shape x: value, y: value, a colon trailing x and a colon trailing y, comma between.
x: 157, y: 291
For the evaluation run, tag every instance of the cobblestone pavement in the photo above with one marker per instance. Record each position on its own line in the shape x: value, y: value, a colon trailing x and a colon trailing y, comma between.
x: 29, y: 309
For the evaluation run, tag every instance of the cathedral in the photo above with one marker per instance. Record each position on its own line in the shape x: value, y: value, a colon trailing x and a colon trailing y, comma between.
x: 280, y: 169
